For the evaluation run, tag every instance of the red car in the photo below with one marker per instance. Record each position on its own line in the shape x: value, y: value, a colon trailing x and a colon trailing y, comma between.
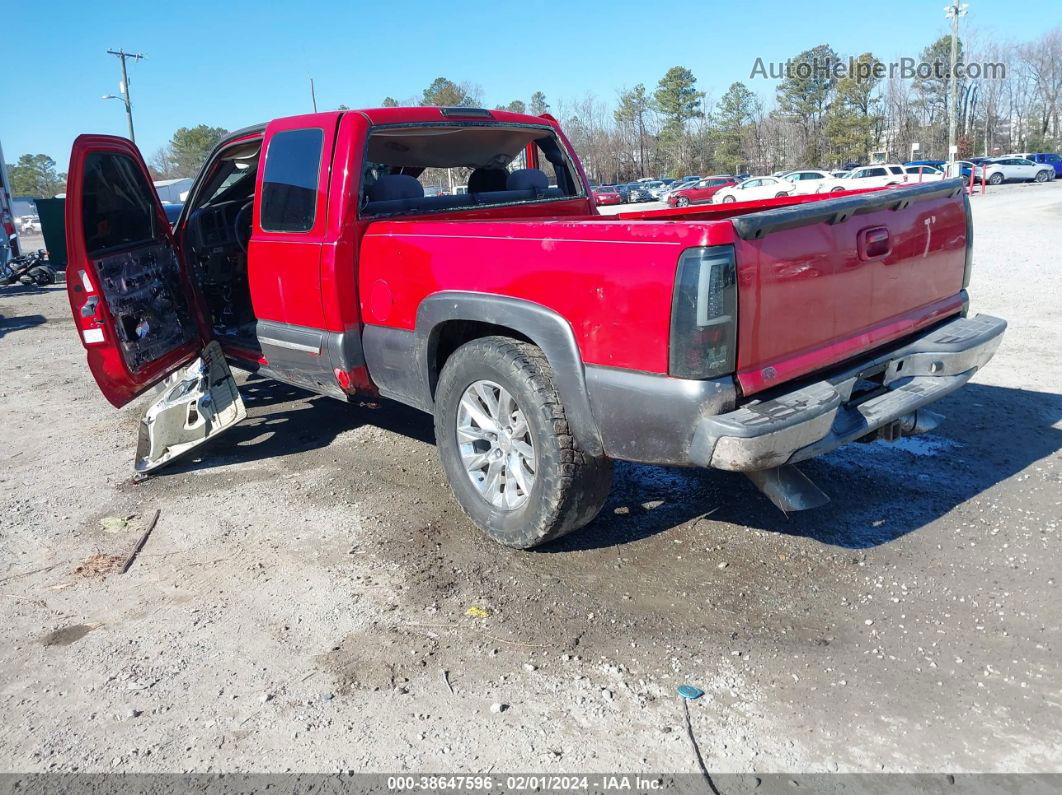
x: 700, y: 192
x: 606, y: 194
x: 545, y: 339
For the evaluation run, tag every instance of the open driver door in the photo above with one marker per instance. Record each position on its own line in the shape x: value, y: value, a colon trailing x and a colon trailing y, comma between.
x: 134, y: 306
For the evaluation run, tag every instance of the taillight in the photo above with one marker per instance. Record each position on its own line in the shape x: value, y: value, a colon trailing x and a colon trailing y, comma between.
x: 703, y: 340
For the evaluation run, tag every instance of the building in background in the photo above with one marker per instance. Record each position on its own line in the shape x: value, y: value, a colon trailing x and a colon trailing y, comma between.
x: 170, y: 190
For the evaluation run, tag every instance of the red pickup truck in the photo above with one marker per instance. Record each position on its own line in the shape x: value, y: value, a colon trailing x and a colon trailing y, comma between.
x: 545, y: 338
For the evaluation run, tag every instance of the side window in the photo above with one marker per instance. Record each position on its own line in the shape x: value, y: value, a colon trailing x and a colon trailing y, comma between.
x: 118, y: 204
x: 812, y: 175
x: 875, y: 172
x: 289, y: 186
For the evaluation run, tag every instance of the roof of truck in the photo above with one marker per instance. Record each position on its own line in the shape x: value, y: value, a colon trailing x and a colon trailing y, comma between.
x: 434, y: 113
x: 405, y: 115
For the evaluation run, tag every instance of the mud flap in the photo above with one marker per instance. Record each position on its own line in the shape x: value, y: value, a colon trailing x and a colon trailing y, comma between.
x: 196, y: 404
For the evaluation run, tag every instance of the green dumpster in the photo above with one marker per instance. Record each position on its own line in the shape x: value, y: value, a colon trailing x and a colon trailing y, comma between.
x: 52, y: 213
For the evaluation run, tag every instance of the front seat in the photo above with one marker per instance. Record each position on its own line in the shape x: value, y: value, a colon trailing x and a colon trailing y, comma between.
x: 393, y: 193
x: 487, y: 180
x: 528, y: 179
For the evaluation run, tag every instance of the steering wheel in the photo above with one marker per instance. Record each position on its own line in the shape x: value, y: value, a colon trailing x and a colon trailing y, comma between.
x: 242, y: 226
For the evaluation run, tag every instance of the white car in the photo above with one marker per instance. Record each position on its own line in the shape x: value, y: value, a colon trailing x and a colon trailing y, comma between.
x: 807, y: 180
x: 876, y: 176
x: 755, y: 189
x: 1012, y: 168
x: 918, y: 174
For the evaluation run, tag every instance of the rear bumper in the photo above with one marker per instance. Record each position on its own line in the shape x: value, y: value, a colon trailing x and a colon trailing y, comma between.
x: 822, y: 415
x: 661, y: 420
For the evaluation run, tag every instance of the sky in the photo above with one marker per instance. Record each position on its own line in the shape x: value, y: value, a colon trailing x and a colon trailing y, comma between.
x: 234, y: 63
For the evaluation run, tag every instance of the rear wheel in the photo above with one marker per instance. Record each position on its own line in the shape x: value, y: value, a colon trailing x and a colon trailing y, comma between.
x: 995, y: 179
x: 506, y: 447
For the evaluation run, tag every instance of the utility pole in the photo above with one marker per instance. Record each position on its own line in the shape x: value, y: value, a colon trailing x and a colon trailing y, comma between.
x: 124, y: 87
x: 953, y: 12
x: 313, y: 96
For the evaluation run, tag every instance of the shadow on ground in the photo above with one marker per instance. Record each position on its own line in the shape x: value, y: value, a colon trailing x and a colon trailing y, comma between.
x: 9, y: 325
x: 286, y: 420
x: 879, y: 492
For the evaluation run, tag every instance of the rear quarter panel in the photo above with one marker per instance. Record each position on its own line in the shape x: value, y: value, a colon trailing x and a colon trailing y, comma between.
x: 611, y: 281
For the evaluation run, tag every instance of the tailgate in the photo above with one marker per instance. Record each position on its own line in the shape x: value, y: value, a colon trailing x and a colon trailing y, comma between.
x: 826, y: 281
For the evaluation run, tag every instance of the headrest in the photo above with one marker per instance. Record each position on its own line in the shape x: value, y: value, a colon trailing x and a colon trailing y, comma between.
x: 484, y: 180
x: 527, y: 179
x: 395, y: 186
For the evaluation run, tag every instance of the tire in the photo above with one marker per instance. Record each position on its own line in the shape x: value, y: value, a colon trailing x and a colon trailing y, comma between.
x: 682, y: 201
x: 836, y: 190
x: 568, y: 486
x: 1042, y: 176
x: 781, y: 195
x: 995, y: 179
x: 728, y: 199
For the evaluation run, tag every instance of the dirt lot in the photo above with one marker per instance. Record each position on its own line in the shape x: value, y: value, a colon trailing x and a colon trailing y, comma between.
x: 301, y: 604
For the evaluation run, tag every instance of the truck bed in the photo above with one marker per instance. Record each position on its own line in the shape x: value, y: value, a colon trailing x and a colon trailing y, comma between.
x: 812, y: 290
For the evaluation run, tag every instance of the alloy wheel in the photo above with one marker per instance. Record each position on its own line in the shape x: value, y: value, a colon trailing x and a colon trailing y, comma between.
x: 496, y: 446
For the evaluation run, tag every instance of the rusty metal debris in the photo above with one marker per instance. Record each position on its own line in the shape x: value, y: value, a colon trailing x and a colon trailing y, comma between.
x: 140, y: 544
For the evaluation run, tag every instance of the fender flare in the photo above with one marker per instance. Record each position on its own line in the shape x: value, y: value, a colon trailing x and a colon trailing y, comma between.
x: 544, y: 327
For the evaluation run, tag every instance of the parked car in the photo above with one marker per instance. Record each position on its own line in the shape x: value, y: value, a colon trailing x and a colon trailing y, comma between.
x: 172, y: 211
x: 937, y: 164
x: 1012, y: 169
x: 876, y: 176
x: 659, y: 190
x: 922, y: 173
x: 606, y: 194
x: 807, y: 180
x: 744, y: 175
x: 754, y: 189
x: 839, y: 174
x: 639, y: 193
x: 542, y: 341
x: 624, y: 191
x: 1045, y: 158
x: 699, y: 192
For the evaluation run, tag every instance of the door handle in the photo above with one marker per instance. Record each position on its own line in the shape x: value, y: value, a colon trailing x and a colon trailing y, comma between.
x: 874, y: 242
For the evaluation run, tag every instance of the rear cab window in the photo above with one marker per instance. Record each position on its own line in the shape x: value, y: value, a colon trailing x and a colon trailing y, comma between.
x: 289, y: 185
x: 417, y: 169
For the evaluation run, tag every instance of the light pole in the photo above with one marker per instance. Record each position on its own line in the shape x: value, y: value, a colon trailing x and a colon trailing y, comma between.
x: 123, y: 88
x: 953, y: 12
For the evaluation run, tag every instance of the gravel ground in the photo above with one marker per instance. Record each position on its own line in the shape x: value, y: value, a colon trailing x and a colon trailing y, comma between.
x: 302, y: 603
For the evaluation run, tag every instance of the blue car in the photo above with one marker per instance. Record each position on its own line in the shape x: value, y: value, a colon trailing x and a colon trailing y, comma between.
x: 1047, y: 158
x: 935, y: 163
